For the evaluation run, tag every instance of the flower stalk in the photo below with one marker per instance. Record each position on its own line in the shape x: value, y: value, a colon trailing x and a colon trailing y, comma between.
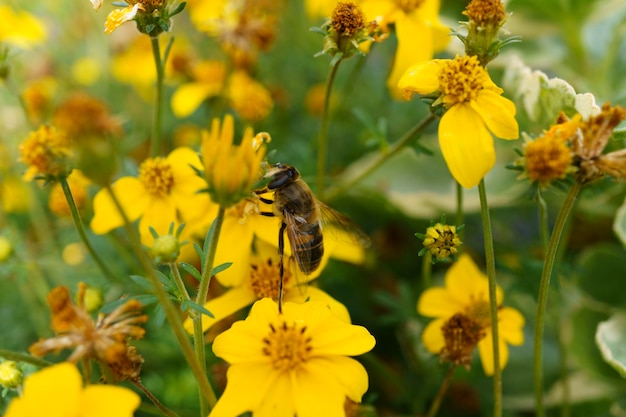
x: 434, y: 407
x: 78, y: 223
x: 156, y: 145
x: 490, y: 262
x: 544, y: 287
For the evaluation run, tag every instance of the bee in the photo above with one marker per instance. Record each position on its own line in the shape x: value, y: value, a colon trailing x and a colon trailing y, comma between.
x: 302, y: 216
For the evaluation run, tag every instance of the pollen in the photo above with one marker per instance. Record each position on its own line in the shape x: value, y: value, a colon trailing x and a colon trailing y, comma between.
x: 462, y: 79
x: 264, y: 279
x: 156, y: 176
x: 442, y: 241
x: 347, y: 19
x: 409, y: 5
x: 485, y: 12
x: 461, y: 334
x: 46, y: 151
x: 288, y: 346
x: 547, y: 158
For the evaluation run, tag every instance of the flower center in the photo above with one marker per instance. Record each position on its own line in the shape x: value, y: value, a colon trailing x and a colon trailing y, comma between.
x: 442, y: 241
x: 264, y: 279
x: 485, y: 12
x: 156, y: 176
x: 243, y: 210
x: 461, y: 80
x: 461, y: 334
x: 408, y: 5
x: 547, y: 158
x: 287, y: 346
x: 347, y: 18
x: 478, y: 311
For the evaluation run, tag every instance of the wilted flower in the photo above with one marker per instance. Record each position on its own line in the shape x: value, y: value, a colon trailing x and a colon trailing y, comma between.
x: 47, y: 153
x: 248, y: 97
x: 152, y: 16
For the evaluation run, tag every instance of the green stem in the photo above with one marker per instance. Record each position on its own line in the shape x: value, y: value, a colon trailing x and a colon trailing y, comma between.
x: 383, y: 157
x: 78, y: 223
x: 490, y: 262
x: 460, y: 214
x: 156, y: 147
x: 203, y: 288
x: 178, y: 280
x: 434, y: 407
x: 166, y: 411
x: 544, y: 286
x: 23, y: 357
x: 322, y: 143
x: 543, y: 219
x: 171, y: 313
x: 427, y: 269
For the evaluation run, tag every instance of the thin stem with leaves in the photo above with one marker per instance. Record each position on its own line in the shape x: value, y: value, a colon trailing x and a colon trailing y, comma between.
x: 490, y: 261
x: 544, y: 287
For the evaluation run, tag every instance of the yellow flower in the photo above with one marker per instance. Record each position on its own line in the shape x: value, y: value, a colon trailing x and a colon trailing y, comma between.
x: 295, y: 363
x: 15, y: 195
x: 418, y: 29
x: 47, y: 153
x: 208, y: 81
x: 260, y: 279
x: 248, y: 97
x: 165, y: 191
x: 58, y: 391
x: 118, y: 17
x: 6, y: 248
x: 442, y: 241
x: 231, y: 171
x: 461, y: 312
x: 473, y: 106
x: 20, y: 28
x: 38, y: 97
x: 10, y: 374
x: 319, y: 8
x: 152, y: 16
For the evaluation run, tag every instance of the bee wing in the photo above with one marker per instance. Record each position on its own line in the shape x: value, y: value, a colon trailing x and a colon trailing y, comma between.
x: 297, y: 240
x: 341, y: 227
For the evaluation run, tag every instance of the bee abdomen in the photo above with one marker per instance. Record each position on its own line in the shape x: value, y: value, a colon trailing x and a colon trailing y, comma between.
x: 311, y: 252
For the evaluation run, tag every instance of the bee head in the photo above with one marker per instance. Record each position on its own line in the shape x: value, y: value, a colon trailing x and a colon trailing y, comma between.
x: 282, y: 175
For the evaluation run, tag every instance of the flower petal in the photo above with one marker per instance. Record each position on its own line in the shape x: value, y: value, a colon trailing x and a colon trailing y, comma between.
x: 133, y: 199
x: 466, y: 144
x: 108, y: 400
x: 498, y: 113
x: 438, y: 302
x: 315, y: 294
x: 350, y: 374
x: 422, y: 78
x: 432, y: 336
x: 248, y: 385
x: 159, y: 214
x: 188, y: 97
x: 485, y: 350
x: 235, y: 245
x: 466, y: 282
x: 511, y: 327
x: 279, y: 398
x: 222, y: 307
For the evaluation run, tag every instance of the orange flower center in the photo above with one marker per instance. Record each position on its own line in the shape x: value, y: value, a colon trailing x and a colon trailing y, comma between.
x: 288, y: 346
x: 47, y: 151
x: 461, y: 334
x: 156, y: 176
x: 461, y: 79
x: 409, y: 5
x: 265, y: 277
x: 347, y: 18
x: 547, y: 158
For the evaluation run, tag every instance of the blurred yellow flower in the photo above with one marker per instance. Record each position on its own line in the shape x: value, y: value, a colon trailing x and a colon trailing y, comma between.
x: 461, y: 312
x: 231, y: 171
x: 165, y: 191
x: 474, y: 107
x: 294, y: 363
x: 47, y: 153
x: 319, y: 8
x: 86, y: 71
x: 58, y: 390
x: 20, y: 28
x: 6, y: 248
x: 418, y: 29
x: 38, y: 96
x: 78, y: 184
x: 208, y: 81
x: 248, y: 97
x: 260, y: 279
x: 15, y: 195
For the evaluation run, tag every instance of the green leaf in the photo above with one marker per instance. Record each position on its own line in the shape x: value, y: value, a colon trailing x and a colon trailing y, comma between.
x: 144, y: 299
x: 611, y: 339
x: 188, y: 304
x: 142, y: 282
x: 165, y: 280
x: 191, y: 270
x: 619, y: 223
x: 220, y: 268
x: 600, y: 273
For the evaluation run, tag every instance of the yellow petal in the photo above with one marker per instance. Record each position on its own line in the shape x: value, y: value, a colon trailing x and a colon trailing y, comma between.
x: 120, y: 16
x: 348, y: 372
x: 415, y: 44
x: 511, y: 326
x: 438, y: 302
x: 317, y: 379
x: 222, y: 307
x: 432, y: 336
x: 315, y: 294
x: 188, y: 97
x: 466, y: 144
x: 498, y: 113
x: 379, y: 10
x: 54, y: 391
x: 279, y: 398
x: 465, y: 282
x: 422, y: 78
x: 133, y: 199
x: 485, y: 350
x: 247, y: 388
x: 158, y: 214
x: 335, y: 337
x: 108, y: 400
x: 20, y: 28
x: 235, y: 245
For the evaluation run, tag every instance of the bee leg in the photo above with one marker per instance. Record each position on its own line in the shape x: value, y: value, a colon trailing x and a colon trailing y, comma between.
x: 281, y: 253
